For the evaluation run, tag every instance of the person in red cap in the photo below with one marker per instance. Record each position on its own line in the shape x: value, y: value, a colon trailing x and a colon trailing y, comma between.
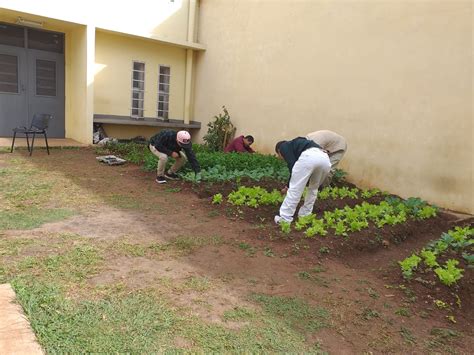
x: 240, y: 145
x: 169, y: 143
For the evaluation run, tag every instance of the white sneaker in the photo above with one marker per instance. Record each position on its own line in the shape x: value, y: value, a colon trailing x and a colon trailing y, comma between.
x: 277, y: 219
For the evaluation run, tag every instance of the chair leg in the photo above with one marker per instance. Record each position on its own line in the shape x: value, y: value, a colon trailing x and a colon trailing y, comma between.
x: 27, y: 141
x: 32, y: 144
x: 13, y: 143
x: 46, y: 140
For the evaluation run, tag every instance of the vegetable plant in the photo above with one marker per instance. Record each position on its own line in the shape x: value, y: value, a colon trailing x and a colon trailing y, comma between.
x: 409, y: 264
x: 429, y: 258
x: 217, y: 199
x: 285, y: 227
x: 449, y: 274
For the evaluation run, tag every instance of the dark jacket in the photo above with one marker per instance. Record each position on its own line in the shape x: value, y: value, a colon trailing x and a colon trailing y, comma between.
x: 237, y: 145
x: 165, y: 142
x: 291, y: 150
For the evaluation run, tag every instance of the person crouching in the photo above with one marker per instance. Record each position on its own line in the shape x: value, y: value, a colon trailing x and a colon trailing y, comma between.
x: 169, y: 143
x: 307, y: 161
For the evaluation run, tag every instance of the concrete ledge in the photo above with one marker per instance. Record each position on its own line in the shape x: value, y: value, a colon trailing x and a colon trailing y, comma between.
x: 147, y: 121
x: 16, y: 335
x: 39, y: 142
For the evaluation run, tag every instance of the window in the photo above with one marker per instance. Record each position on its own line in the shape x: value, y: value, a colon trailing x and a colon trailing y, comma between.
x: 164, y: 92
x: 46, y: 41
x: 138, y: 89
x: 45, y: 77
x: 8, y: 73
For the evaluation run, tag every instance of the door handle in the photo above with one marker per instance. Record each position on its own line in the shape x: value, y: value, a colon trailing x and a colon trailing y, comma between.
x: 22, y: 87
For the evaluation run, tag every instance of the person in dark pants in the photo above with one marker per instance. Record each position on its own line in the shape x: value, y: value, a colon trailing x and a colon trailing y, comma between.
x: 240, y: 144
x: 169, y: 143
x: 307, y: 161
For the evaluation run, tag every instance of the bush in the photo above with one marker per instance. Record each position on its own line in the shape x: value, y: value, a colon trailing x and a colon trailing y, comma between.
x: 219, y: 132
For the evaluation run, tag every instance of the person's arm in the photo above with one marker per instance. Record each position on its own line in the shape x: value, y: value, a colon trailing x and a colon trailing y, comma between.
x: 192, y: 159
x: 250, y: 150
x: 160, y: 144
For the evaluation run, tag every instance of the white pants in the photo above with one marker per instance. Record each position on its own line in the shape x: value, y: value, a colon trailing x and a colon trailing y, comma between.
x: 313, y: 165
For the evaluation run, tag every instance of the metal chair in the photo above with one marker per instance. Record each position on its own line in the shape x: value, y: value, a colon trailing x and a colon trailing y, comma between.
x: 39, y: 125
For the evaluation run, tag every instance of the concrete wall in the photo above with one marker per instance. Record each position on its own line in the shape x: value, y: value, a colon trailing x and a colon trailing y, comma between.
x: 160, y: 19
x: 393, y: 77
x: 80, y: 53
x: 113, y: 73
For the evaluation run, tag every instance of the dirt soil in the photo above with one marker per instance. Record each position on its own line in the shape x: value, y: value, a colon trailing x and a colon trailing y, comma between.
x: 355, y: 276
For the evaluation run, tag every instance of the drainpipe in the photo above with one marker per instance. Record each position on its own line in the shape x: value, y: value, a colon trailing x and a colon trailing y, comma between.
x: 189, y: 62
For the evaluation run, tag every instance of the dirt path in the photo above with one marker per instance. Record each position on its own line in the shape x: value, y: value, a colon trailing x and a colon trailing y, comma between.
x: 124, y: 210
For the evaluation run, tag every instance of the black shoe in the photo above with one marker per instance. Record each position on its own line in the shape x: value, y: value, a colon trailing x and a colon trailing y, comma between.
x: 171, y: 176
x: 160, y: 180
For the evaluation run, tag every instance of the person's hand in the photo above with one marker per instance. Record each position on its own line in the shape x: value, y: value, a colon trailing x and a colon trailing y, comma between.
x: 284, y: 190
x: 175, y: 155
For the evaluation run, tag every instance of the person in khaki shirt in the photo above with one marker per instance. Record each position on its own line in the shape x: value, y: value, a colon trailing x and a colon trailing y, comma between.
x: 334, y: 144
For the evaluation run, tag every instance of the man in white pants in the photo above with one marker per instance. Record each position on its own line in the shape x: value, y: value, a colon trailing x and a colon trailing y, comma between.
x: 334, y: 144
x: 306, y: 161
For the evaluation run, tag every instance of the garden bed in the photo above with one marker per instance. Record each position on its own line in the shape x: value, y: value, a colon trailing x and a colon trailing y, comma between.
x: 390, y: 229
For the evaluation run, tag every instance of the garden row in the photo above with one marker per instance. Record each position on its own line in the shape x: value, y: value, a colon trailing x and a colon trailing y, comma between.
x: 342, y: 221
x: 442, y: 257
x: 215, y: 166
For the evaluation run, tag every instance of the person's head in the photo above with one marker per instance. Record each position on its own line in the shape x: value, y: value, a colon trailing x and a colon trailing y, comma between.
x: 183, y: 138
x: 277, y: 149
x: 248, y: 140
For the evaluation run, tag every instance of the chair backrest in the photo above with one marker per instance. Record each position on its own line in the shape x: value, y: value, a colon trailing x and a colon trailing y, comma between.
x: 41, y: 121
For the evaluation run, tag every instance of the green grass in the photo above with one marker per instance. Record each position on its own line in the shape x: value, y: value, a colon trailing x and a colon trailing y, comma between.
x: 12, y: 247
x: 239, y: 314
x: 295, y: 312
x: 199, y: 284
x: 32, y: 217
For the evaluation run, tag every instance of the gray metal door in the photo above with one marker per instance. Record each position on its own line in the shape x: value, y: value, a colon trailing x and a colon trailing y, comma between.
x: 46, y: 88
x: 31, y: 78
x: 13, y: 89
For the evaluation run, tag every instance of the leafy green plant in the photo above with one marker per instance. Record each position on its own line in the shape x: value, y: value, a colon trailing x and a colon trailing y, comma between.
x: 339, y: 175
x: 429, y: 258
x: 217, y: 199
x: 409, y: 264
x: 285, y: 227
x: 254, y: 197
x: 218, y: 130
x: 449, y: 274
x: 317, y: 227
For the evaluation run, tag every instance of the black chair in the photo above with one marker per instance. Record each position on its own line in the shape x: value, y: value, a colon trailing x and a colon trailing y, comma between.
x: 39, y: 125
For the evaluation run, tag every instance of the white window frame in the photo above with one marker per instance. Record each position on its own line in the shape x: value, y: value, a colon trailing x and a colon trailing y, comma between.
x: 163, y: 114
x: 141, y: 111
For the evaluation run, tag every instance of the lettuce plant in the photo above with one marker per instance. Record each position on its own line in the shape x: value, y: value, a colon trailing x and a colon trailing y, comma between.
x: 449, y: 274
x: 408, y: 265
x: 217, y: 199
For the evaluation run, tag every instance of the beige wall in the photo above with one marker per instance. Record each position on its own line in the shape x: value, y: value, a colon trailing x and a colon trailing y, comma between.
x: 158, y: 19
x: 80, y: 50
x: 113, y: 72
x: 393, y: 77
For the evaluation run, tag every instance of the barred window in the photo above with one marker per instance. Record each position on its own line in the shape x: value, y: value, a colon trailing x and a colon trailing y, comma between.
x: 138, y: 89
x: 164, y: 91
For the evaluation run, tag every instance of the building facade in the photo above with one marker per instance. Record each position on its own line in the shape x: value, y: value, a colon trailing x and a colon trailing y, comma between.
x: 393, y: 77
x: 126, y: 66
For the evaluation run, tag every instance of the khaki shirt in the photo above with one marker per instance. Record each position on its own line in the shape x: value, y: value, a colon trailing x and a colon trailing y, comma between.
x: 328, y: 140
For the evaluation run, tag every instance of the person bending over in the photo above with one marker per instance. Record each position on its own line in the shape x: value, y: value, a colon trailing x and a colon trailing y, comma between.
x: 307, y: 161
x: 240, y: 144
